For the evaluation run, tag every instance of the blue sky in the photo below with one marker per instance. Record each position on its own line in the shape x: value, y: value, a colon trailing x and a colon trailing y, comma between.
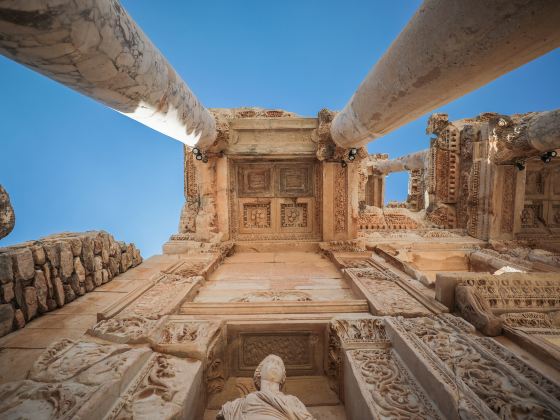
x: 70, y: 164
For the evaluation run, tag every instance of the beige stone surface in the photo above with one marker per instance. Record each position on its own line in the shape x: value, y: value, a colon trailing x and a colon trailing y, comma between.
x: 421, y: 63
x: 108, y: 58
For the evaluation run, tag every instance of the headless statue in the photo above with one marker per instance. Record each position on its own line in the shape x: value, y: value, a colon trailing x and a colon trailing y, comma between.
x: 268, y: 402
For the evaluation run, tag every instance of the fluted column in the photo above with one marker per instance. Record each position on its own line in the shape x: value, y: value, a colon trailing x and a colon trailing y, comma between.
x: 449, y: 48
x: 96, y: 48
x: 416, y: 160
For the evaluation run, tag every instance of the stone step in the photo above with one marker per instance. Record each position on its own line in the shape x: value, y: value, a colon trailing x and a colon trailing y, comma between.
x: 240, y: 308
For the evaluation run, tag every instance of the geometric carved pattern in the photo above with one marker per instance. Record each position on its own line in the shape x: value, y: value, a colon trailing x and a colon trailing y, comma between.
x: 282, y: 204
x: 530, y: 215
x: 254, y: 180
x: 293, y: 215
x: 295, y: 180
x: 256, y: 216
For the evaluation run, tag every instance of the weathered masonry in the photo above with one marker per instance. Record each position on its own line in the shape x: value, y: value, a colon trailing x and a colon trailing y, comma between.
x: 291, y: 289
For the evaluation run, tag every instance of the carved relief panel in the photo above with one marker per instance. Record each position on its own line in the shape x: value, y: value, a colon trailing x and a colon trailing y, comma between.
x: 276, y: 200
x: 542, y: 197
x: 301, y: 347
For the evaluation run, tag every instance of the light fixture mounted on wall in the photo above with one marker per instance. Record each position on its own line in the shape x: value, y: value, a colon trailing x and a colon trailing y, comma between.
x: 547, y: 156
x: 200, y: 155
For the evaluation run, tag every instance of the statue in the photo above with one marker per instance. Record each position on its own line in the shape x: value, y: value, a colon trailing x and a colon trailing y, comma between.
x: 268, y: 402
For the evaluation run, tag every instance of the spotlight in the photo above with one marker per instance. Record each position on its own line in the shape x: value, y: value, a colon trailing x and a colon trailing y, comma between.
x: 196, y: 151
x: 351, y: 157
x: 199, y: 157
x: 205, y: 159
x: 343, y: 163
x: 520, y: 166
x: 353, y: 151
x: 546, y: 157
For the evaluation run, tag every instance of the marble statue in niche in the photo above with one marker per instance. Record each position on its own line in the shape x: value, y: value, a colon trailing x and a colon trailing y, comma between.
x: 268, y: 402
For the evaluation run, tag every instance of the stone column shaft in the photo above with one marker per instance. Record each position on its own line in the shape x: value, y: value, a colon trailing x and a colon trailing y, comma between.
x: 96, y: 48
x: 416, y: 160
x: 449, y: 48
x: 525, y: 136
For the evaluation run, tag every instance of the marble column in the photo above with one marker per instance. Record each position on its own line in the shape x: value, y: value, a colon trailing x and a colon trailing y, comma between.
x: 96, y: 48
x: 449, y: 48
x: 524, y: 136
x: 416, y: 160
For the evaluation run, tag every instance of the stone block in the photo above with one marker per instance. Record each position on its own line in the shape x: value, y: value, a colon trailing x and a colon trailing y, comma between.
x: 7, y: 292
x: 105, y: 256
x: 42, y: 290
x: 75, y: 284
x: 6, y: 272
x: 19, y: 319
x: 87, y: 254
x: 126, y: 261
x: 104, y: 276
x: 18, y: 292
x: 51, y: 304
x: 39, y: 256
x: 23, y: 265
x: 58, y: 292
x: 6, y: 319
x: 53, y: 255
x: 97, y: 245
x: 114, y: 249
x: 89, y: 283
x: 69, y: 294
x: 47, y: 273
x: 97, y: 263
x: 66, y: 259
x: 97, y: 278
x: 114, y: 266
x: 30, y: 303
x: 76, y: 245
x: 79, y: 269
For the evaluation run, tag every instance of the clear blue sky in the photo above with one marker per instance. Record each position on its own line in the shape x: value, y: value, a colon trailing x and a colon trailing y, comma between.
x: 70, y: 164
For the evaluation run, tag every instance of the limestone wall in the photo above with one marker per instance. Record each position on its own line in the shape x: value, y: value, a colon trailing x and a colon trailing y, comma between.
x: 40, y: 276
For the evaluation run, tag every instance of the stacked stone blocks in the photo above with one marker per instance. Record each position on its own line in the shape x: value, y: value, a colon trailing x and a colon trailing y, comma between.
x: 40, y: 276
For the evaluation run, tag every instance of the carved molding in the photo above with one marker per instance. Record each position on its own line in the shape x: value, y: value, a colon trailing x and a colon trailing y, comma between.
x: 340, y: 194
x: 274, y: 296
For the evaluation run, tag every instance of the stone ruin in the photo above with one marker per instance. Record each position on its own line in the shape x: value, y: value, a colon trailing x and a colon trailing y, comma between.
x: 290, y: 289
x: 37, y: 277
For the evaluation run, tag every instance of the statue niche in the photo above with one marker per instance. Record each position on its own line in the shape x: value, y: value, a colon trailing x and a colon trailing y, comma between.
x: 268, y: 402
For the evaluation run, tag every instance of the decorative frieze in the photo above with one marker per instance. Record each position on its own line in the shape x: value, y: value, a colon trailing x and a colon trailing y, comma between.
x: 340, y: 194
x: 384, y: 294
x: 499, y: 387
x: 391, y: 391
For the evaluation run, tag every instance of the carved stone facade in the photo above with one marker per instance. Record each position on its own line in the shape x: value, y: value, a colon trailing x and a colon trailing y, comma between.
x: 423, y: 309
